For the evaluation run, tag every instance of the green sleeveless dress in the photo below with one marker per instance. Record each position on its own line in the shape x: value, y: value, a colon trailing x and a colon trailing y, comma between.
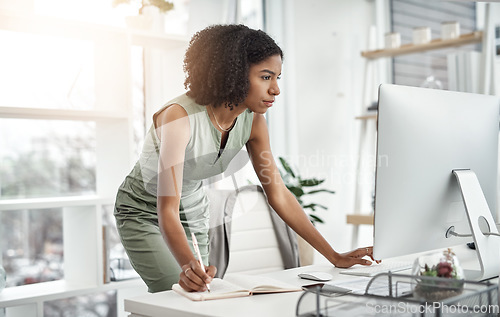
x: 135, y: 207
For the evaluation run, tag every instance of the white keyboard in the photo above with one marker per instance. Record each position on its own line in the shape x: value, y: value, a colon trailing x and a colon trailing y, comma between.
x: 374, y: 269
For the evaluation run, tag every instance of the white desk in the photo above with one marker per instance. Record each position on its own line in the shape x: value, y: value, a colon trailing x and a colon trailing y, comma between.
x: 170, y: 303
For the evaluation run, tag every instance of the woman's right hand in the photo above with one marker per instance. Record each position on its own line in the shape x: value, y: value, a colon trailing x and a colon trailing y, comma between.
x: 194, y: 279
x: 356, y: 256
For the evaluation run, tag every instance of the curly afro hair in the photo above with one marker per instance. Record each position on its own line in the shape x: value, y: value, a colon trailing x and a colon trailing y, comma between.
x: 218, y: 61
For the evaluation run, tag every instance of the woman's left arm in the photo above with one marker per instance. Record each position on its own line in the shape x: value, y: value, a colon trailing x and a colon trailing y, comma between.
x: 284, y: 202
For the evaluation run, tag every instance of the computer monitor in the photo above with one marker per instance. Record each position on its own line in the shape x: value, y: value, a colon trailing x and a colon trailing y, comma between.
x: 431, y: 144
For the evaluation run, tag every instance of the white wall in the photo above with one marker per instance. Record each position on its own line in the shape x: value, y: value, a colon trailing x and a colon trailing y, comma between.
x: 328, y: 38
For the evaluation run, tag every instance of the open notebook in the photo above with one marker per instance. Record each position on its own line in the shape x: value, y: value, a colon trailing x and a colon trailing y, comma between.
x: 238, y: 285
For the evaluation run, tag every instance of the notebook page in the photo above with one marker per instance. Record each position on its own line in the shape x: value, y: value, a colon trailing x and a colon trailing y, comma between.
x: 261, y: 284
x: 218, y: 289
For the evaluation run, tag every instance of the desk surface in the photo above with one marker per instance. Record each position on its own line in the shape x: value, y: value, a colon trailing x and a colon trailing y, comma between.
x: 170, y: 303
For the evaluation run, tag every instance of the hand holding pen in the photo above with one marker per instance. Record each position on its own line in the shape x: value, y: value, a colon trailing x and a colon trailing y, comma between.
x: 198, y: 254
x: 194, y: 276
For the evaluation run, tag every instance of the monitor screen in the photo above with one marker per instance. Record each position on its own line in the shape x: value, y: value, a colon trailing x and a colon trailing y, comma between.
x: 422, y: 136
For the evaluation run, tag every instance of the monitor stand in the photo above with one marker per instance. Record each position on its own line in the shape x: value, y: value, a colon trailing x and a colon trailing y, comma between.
x: 481, y: 223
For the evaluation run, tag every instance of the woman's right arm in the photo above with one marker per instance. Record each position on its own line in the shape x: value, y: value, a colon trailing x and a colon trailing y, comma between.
x: 172, y: 128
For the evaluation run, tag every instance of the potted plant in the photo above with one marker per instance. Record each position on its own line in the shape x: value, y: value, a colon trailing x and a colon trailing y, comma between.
x: 301, y: 187
x: 162, y: 5
x: 438, y: 276
x: 145, y: 21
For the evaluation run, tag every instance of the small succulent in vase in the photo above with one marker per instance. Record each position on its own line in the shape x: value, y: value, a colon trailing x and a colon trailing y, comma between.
x: 439, y: 275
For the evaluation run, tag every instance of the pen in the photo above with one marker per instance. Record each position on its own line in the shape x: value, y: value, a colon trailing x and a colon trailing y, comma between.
x: 197, y: 250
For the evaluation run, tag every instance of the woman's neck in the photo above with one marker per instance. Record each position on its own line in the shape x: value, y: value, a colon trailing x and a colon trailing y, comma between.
x: 224, y: 115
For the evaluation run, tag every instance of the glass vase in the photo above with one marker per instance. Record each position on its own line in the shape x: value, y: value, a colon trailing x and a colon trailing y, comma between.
x: 437, y: 276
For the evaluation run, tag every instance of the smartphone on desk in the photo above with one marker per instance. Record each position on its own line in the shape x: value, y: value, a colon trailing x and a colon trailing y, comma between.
x: 326, y: 289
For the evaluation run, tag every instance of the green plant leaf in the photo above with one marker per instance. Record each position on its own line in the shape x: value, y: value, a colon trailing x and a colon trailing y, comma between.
x: 313, y: 206
x: 286, y: 166
x: 320, y: 191
x: 311, y: 182
x: 295, y: 184
x: 310, y: 206
x: 297, y: 191
x: 315, y: 219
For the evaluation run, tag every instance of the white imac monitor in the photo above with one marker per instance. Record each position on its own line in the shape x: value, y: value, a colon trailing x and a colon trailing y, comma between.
x: 436, y: 173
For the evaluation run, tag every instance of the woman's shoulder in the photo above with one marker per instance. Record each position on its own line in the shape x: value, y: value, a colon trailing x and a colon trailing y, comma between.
x: 188, y: 103
x: 172, y: 112
x: 173, y: 118
x: 176, y: 108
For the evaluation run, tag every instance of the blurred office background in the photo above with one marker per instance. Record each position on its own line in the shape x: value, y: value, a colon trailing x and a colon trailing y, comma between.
x: 78, y: 87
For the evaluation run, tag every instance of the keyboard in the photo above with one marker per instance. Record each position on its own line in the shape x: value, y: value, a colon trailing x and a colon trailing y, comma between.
x: 374, y: 269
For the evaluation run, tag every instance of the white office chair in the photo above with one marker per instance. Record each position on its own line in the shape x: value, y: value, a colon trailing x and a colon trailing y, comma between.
x: 249, y: 237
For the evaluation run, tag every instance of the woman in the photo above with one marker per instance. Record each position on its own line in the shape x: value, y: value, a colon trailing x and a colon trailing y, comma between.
x: 232, y: 77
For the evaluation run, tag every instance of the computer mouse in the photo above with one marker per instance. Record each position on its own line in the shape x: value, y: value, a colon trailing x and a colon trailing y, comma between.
x: 316, y: 276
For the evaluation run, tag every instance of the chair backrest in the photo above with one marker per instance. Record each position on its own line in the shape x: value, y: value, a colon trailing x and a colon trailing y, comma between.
x: 254, y: 239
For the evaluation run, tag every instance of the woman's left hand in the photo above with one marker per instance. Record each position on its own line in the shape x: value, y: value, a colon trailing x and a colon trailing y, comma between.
x: 350, y: 258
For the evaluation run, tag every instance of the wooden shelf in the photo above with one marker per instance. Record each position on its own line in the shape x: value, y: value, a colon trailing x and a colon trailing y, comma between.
x: 464, y: 39
x: 359, y: 219
x: 367, y: 116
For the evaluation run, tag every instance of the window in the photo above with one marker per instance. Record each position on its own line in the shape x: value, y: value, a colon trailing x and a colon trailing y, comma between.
x: 32, y: 245
x: 72, y: 116
x: 51, y: 95
x: 102, y: 12
x: 96, y: 305
x: 46, y: 158
x: 40, y: 71
x: 252, y: 13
